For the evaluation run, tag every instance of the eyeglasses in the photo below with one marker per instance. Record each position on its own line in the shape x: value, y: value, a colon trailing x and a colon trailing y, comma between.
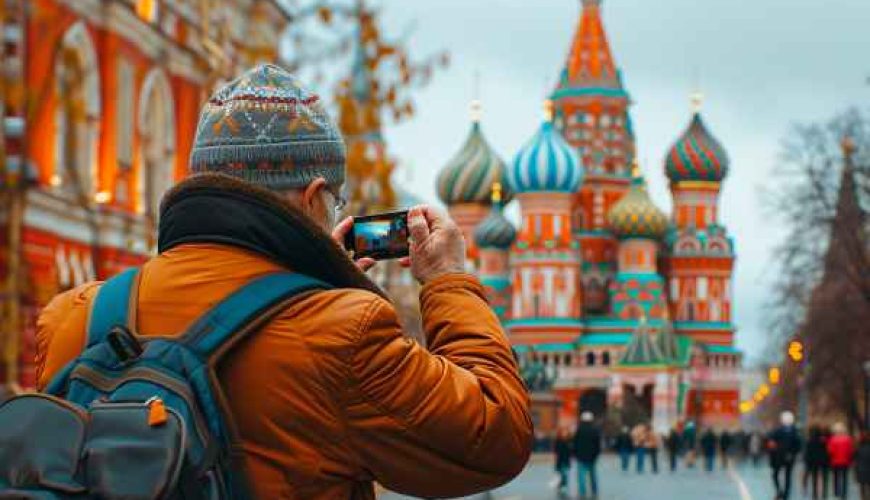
x: 340, y: 200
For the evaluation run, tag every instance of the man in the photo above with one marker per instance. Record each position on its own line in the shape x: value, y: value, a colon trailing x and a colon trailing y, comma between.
x: 725, y: 443
x: 329, y: 395
x: 673, y: 443
x: 587, y: 447
x: 783, y: 444
x: 690, y: 443
x: 708, y: 447
x: 624, y: 447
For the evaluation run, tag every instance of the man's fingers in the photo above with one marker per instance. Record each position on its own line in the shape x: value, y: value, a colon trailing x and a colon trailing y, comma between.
x: 366, y: 263
x: 405, y: 261
x: 341, y: 229
x: 434, y: 218
x: 417, y: 225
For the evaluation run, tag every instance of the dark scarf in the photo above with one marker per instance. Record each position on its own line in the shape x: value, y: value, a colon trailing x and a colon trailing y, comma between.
x: 215, y: 208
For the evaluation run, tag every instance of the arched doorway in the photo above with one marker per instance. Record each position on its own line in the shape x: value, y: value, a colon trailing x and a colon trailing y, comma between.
x: 77, y: 114
x: 593, y: 400
x: 637, y: 404
x: 156, y: 125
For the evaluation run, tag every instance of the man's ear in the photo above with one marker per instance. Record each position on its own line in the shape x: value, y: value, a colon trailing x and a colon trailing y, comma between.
x: 312, y: 202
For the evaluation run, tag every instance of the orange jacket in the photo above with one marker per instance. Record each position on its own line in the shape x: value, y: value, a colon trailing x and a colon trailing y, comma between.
x: 330, y: 395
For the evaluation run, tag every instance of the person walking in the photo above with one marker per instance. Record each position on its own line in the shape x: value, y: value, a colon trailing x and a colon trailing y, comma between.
x: 624, y: 447
x: 756, y: 446
x: 563, y: 450
x: 638, y: 436
x: 673, y: 443
x: 862, y: 465
x: 816, y: 464
x: 783, y: 445
x: 318, y: 388
x: 587, y: 448
x: 841, y: 449
x: 708, y: 448
x: 726, y: 440
x: 690, y: 437
x: 651, y: 442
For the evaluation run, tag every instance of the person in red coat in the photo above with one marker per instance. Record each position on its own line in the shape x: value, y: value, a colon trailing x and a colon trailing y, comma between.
x: 841, y: 450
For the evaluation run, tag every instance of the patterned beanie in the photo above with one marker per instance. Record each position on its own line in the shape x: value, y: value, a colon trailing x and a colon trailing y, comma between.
x: 265, y: 128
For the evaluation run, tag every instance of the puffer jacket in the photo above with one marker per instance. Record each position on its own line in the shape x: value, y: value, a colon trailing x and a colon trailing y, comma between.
x: 841, y: 449
x: 330, y: 395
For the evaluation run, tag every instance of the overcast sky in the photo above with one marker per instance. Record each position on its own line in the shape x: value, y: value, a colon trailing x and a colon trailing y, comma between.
x: 761, y: 64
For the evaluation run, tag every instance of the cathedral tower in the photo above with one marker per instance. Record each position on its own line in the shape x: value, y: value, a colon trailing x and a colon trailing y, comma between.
x: 592, y: 115
x: 494, y: 237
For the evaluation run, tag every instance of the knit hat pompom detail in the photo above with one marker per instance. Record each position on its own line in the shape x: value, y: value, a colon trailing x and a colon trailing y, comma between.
x: 266, y: 128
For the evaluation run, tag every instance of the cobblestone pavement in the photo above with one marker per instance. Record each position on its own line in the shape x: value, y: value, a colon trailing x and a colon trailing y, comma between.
x: 742, y: 481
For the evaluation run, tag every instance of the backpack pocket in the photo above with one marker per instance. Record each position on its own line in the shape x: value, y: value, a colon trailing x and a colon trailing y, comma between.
x: 130, y: 455
x: 41, y: 438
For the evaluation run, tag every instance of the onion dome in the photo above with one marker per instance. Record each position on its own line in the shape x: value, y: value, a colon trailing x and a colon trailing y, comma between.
x: 471, y: 172
x: 495, y: 231
x: 546, y: 163
x: 697, y: 155
x: 635, y: 215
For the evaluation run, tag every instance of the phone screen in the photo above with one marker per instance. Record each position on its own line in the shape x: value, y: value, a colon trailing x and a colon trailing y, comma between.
x: 379, y: 236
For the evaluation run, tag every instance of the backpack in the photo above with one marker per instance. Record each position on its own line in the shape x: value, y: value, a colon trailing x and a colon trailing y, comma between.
x: 139, y: 417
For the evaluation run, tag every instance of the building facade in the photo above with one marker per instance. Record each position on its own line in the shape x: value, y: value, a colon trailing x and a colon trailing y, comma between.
x: 100, y: 104
x: 612, y: 306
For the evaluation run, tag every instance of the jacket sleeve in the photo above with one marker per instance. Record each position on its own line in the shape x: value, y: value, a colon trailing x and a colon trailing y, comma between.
x: 450, y: 421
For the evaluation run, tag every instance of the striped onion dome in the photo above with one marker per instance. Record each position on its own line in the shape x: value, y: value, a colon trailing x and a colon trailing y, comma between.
x: 546, y: 163
x: 696, y: 156
x: 469, y: 175
x: 495, y: 231
x: 635, y: 215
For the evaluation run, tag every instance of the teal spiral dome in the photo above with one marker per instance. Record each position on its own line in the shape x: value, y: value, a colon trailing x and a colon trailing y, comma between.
x: 495, y: 231
x: 469, y: 175
x: 697, y: 155
x: 547, y: 163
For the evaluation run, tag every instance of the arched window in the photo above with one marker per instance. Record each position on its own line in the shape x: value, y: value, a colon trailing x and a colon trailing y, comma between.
x: 77, y: 115
x: 605, y: 358
x: 156, y: 125
x: 590, y: 358
x: 567, y: 359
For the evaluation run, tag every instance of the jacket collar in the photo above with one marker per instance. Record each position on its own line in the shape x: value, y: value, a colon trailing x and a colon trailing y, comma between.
x: 216, y: 208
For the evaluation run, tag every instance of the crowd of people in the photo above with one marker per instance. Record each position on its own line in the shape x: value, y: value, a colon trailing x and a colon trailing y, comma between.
x: 828, y: 454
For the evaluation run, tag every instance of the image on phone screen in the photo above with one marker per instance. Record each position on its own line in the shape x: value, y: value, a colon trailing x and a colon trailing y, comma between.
x: 379, y: 236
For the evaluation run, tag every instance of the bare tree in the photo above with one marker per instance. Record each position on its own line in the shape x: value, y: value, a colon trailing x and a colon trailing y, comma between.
x: 822, y: 293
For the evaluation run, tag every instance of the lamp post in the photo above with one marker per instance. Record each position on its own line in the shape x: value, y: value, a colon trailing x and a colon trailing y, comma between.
x: 867, y: 395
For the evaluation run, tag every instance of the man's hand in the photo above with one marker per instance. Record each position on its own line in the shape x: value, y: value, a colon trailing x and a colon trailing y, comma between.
x: 437, y: 245
x: 338, y: 234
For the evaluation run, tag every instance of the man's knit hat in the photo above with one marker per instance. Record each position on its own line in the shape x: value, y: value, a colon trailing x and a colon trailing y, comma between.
x: 265, y: 128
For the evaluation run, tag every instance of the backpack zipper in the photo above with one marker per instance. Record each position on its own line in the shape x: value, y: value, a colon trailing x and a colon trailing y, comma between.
x: 106, y: 384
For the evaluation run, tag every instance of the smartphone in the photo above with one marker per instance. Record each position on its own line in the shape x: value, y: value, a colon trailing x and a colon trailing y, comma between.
x: 379, y: 236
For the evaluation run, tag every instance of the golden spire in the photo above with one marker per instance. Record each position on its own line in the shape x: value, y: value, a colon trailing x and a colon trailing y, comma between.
x: 476, y: 110
x: 635, y: 169
x: 697, y: 99
x: 496, y: 192
x: 848, y: 146
x: 548, y: 110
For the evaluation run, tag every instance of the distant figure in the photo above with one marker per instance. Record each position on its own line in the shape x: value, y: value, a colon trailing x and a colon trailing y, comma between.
x: 673, y: 444
x: 725, y: 442
x: 755, y: 447
x: 624, y: 447
x: 862, y: 466
x: 816, y: 463
x: 651, y: 442
x: 708, y: 448
x: 841, y: 449
x: 587, y: 447
x: 783, y: 444
x: 690, y: 438
x: 638, y: 435
x: 563, y: 451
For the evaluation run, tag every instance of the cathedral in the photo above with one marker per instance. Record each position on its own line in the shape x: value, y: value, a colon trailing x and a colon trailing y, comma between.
x: 611, y: 305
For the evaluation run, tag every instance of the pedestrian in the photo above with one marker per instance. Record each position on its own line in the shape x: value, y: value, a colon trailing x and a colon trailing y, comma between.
x: 638, y: 436
x: 563, y: 451
x: 624, y: 447
x: 725, y: 442
x: 783, y: 445
x: 862, y: 465
x: 651, y: 442
x: 673, y: 443
x: 708, y: 448
x: 816, y: 463
x: 587, y: 447
x: 318, y: 389
x: 841, y: 449
x: 690, y: 435
x: 755, y: 447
